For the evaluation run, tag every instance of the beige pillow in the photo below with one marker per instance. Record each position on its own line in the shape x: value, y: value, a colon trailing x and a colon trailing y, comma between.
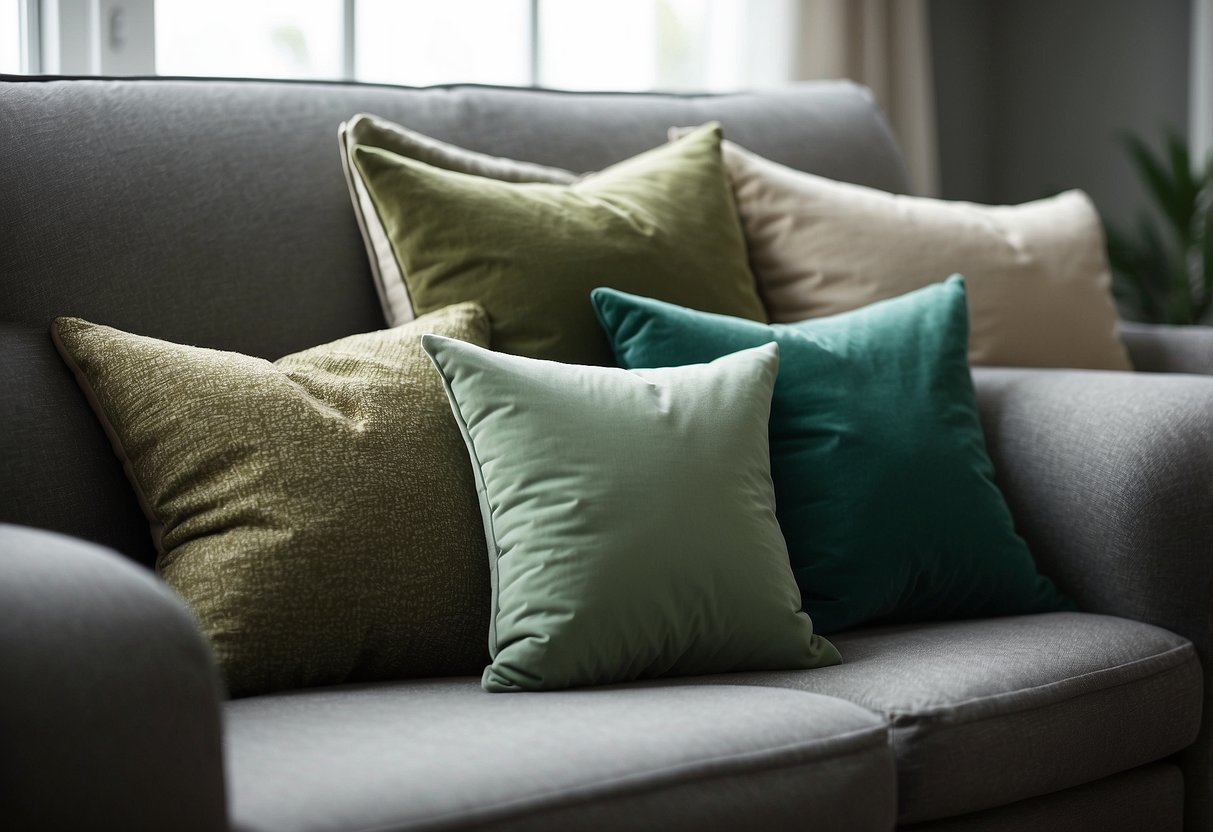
x: 1037, y: 275
x: 373, y: 131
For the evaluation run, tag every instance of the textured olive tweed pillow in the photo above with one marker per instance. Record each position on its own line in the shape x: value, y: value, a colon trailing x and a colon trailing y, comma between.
x: 318, y: 514
x: 661, y: 224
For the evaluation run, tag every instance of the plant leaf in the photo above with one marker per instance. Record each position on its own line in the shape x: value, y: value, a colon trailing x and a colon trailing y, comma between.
x: 1187, y: 187
x: 1135, y: 279
x: 1166, y: 271
x: 1170, y: 277
x: 1165, y: 192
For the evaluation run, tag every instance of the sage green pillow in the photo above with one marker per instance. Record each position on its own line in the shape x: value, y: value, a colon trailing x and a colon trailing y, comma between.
x: 662, y: 224
x: 630, y: 519
x: 318, y: 514
x: 886, y: 493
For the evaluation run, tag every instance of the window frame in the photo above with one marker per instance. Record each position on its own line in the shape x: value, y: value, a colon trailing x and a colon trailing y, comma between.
x: 29, y: 37
x: 116, y: 38
x: 77, y: 37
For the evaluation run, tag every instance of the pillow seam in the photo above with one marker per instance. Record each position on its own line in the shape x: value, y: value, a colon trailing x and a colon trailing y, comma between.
x: 494, y: 551
x: 360, y: 182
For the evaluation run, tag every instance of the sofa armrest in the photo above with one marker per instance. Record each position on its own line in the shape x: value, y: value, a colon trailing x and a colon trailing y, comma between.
x: 109, y: 698
x: 1154, y: 348
x: 1110, y: 479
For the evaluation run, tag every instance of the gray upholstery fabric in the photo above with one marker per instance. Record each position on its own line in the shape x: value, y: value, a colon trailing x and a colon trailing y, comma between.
x: 1150, y: 797
x: 1110, y: 479
x: 59, y: 469
x: 988, y: 712
x: 215, y: 213
x: 443, y: 754
x: 109, y: 707
x: 1169, y: 349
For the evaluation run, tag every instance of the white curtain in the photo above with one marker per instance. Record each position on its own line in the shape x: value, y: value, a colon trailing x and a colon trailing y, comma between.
x: 886, y: 45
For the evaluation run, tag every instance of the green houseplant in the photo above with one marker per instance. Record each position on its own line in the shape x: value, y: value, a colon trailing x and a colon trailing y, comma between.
x: 1166, y: 275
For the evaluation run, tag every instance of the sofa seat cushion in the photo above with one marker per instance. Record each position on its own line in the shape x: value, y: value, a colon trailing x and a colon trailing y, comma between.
x: 988, y: 712
x: 442, y: 753
x: 1149, y: 797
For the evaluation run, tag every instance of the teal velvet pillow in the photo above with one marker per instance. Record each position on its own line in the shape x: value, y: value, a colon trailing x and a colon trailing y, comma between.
x: 886, y: 493
x: 630, y: 518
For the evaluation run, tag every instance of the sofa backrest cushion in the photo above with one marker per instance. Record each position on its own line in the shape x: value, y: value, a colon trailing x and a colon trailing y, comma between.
x: 215, y: 213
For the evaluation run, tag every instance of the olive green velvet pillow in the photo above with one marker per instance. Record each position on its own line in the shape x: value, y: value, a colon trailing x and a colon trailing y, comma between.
x: 661, y: 224
x: 318, y: 514
x: 372, y: 131
x: 630, y: 518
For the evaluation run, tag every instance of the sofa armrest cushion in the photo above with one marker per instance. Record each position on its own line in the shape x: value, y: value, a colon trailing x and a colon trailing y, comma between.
x: 1110, y: 479
x: 110, y: 704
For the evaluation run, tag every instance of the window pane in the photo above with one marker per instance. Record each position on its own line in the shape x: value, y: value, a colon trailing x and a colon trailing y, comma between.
x: 10, y: 36
x: 262, y: 39
x: 605, y: 46
x: 652, y: 44
x: 420, y: 42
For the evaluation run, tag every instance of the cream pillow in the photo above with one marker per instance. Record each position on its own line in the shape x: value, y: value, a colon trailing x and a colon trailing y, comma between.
x: 1037, y: 275
x: 373, y: 131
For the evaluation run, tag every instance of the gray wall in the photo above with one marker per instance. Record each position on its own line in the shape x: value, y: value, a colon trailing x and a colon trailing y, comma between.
x: 1031, y: 94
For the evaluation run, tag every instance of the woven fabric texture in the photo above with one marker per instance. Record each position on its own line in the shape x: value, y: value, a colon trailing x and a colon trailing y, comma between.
x: 642, y: 758
x: 1031, y: 697
x: 317, y: 514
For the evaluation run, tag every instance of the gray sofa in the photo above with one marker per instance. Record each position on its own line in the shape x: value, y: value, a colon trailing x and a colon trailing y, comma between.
x: 214, y: 213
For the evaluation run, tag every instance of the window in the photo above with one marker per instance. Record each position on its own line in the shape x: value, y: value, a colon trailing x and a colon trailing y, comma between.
x: 272, y: 39
x: 638, y: 45
x: 623, y: 45
x: 420, y: 42
x: 10, y: 36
